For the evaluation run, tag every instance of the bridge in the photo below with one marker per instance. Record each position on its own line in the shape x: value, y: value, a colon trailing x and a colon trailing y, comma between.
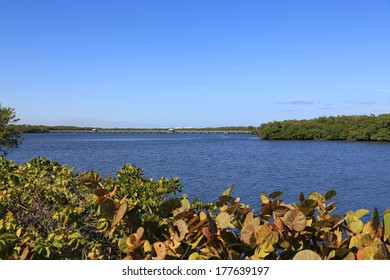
x: 157, y: 130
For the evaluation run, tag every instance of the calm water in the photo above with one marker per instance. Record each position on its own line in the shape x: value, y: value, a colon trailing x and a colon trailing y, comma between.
x: 208, y: 164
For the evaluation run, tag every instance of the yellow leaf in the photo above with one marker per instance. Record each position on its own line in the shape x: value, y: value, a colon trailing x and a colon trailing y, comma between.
x: 147, y: 246
x: 19, y: 232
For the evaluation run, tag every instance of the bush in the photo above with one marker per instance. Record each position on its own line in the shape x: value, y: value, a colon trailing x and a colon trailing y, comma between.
x: 47, y: 211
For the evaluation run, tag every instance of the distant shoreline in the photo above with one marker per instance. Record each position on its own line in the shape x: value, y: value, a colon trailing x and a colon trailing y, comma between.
x: 161, y: 131
x: 74, y: 129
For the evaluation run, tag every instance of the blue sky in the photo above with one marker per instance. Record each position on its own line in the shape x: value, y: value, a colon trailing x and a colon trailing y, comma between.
x: 193, y: 63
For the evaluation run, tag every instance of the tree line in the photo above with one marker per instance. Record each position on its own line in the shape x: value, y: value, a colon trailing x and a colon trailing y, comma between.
x: 350, y: 128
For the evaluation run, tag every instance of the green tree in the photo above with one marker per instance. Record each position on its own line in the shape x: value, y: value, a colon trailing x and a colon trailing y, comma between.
x: 9, y: 136
x: 353, y: 128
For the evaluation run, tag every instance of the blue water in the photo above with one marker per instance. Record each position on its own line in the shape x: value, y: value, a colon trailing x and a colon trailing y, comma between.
x: 207, y: 164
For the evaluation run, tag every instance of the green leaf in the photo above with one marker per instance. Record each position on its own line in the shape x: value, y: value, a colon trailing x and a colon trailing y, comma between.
x: 330, y: 194
x: 386, y: 225
x: 122, y: 245
x: 47, y: 255
x: 274, y: 195
x: 57, y: 244
x: 317, y: 197
x: 108, y: 209
x: 295, y: 219
x: 193, y: 256
x: 309, y: 203
x: 168, y: 206
x: 375, y: 219
x: 301, y: 197
x: 361, y: 212
x: 74, y: 235
x: 91, y: 179
x: 355, y: 242
x: 354, y: 223
x: 147, y: 247
x: 306, y: 255
x: 228, y: 191
x: 350, y: 257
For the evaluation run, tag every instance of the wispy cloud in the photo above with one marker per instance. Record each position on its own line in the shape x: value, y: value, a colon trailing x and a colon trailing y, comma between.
x: 367, y: 103
x: 296, y: 102
x: 325, y: 108
x: 379, y: 90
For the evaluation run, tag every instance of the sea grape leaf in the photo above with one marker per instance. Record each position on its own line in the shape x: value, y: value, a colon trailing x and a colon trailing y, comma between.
x: 274, y: 195
x: 140, y: 233
x: 367, y: 253
x: 295, y: 219
x: 355, y: 242
x: 301, y: 197
x: 265, y: 235
x: 182, y: 228
x: 264, y: 198
x: 383, y: 253
x: 375, y: 219
x: 330, y: 240
x: 99, y: 192
x: 193, y: 256
x: 228, y: 191
x: 24, y: 254
x: 247, y: 234
x: 168, y: 206
x: 107, y: 209
x: 366, y: 240
x: 119, y: 214
x: 317, y: 197
x: 330, y: 194
x: 357, y: 226
x: 361, y: 212
x: 223, y: 220
x: 386, y: 225
x: 92, y: 179
x: 160, y: 250
x: 306, y: 255
x: 349, y: 257
x: 147, y: 246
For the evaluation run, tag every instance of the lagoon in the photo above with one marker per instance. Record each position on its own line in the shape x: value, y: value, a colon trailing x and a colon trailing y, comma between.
x: 207, y: 164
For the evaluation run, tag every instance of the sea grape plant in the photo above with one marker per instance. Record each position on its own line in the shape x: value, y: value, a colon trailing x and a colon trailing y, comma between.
x: 49, y: 211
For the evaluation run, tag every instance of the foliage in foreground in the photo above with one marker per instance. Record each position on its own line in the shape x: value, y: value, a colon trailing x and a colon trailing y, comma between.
x: 352, y: 128
x: 47, y: 211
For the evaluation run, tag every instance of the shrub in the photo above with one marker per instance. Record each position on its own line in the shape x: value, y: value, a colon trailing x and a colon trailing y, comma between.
x: 47, y: 211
